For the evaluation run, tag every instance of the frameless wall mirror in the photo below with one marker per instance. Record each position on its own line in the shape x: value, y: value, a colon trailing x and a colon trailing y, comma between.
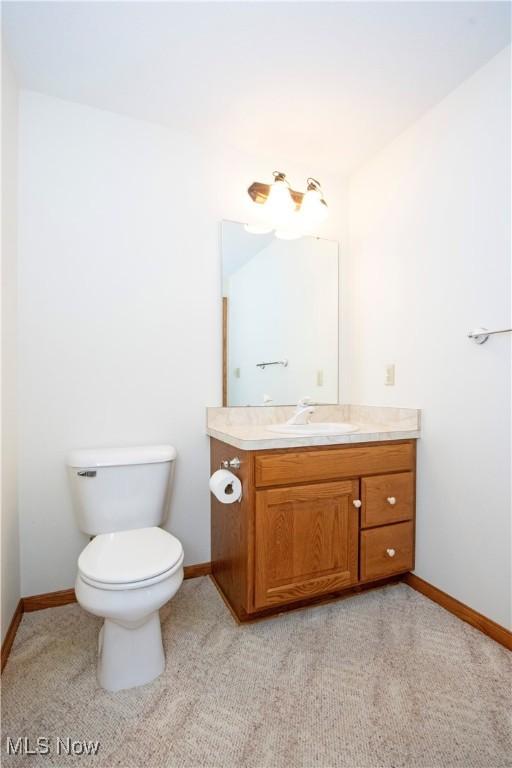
x: 280, y: 318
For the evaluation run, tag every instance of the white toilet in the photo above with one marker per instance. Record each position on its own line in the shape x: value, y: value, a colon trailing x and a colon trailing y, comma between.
x: 131, y: 568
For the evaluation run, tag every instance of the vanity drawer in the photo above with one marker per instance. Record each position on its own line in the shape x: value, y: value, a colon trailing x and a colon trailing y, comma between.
x: 387, y: 550
x: 289, y: 467
x: 386, y: 499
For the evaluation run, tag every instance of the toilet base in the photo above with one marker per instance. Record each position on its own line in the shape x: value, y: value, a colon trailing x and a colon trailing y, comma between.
x: 130, y: 654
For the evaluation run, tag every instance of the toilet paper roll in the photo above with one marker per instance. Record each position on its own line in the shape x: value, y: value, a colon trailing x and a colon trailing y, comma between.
x: 225, y: 486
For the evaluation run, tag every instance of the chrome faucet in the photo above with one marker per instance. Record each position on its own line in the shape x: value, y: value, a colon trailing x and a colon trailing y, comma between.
x: 303, y: 412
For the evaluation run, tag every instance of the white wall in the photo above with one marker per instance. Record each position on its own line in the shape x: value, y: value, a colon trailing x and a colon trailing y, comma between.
x: 10, y: 529
x: 120, y: 309
x: 283, y: 304
x: 429, y: 260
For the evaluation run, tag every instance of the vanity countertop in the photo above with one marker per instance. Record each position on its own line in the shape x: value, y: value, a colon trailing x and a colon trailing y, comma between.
x: 246, y: 428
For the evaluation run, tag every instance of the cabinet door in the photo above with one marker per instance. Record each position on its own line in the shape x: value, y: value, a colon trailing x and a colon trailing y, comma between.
x: 306, y: 541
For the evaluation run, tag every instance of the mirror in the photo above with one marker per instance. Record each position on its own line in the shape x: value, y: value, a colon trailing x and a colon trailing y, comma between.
x: 280, y: 318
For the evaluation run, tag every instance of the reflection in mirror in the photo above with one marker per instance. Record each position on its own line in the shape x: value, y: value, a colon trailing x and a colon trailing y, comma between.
x: 280, y: 318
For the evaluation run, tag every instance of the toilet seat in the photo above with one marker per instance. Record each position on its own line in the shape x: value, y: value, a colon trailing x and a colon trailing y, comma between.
x: 130, y: 559
x: 132, y: 584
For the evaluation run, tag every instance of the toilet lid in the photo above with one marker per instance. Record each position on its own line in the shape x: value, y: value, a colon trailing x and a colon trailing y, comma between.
x: 129, y: 556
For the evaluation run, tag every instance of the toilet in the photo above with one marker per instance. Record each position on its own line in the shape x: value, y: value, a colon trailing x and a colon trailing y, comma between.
x: 131, y: 567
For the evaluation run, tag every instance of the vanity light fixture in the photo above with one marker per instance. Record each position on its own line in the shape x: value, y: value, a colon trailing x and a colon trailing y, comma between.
x: 290, y: 213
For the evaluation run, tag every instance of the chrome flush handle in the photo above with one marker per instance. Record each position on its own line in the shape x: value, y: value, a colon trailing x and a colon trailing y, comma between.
x: 87, y: 473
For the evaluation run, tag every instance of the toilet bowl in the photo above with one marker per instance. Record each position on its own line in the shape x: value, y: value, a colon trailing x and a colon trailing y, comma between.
x: 127, y: 572
x: 125, y: 578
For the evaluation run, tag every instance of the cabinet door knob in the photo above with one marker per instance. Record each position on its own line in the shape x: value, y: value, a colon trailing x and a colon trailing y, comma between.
x: 391, y: 500
x: 357, y: 503
x: 390, y: 552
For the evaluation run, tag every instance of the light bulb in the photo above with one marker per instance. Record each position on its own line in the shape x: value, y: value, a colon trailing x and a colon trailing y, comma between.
x: 279, y: 204
x: 257, y: 219
x: 313, y: 210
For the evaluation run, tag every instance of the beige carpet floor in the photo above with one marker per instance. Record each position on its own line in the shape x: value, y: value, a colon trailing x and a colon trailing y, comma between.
x: 386, y: 679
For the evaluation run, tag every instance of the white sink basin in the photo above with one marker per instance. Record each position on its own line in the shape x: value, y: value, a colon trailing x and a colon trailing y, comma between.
x: 316, y: 428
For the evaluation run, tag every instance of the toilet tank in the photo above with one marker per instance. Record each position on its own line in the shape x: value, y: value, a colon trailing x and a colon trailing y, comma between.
x: 116, y: 489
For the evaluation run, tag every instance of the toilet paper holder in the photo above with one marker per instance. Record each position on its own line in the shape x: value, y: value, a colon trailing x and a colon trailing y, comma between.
x: 233, y: 463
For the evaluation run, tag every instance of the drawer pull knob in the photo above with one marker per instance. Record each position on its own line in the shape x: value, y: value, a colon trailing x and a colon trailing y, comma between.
x: 391, y: 500
x: 357, y: 503
x: 390, y: 552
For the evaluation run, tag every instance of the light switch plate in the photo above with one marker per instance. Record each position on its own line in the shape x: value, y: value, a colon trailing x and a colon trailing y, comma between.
x: 389, y: 376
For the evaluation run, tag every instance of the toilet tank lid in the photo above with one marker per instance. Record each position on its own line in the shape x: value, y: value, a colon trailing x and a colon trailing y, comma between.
x: 117, y: 457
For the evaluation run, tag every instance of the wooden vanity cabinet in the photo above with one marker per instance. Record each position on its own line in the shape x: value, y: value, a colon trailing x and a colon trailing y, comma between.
x: 312, y: 522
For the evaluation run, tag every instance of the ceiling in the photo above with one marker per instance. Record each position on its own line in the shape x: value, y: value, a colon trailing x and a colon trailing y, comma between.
x: 326, y: 83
